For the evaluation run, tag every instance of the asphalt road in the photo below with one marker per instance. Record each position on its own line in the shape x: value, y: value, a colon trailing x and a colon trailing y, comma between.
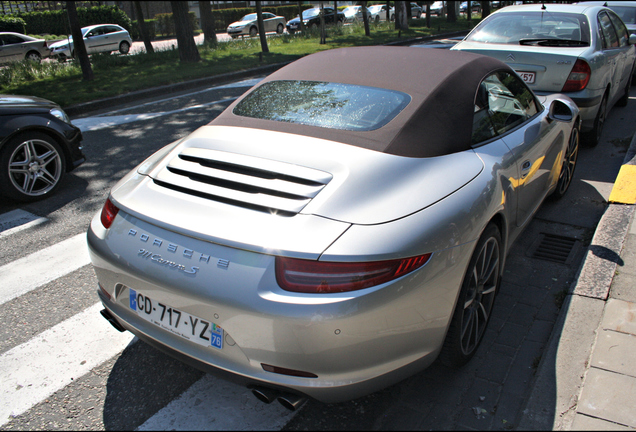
x: 54, y: 374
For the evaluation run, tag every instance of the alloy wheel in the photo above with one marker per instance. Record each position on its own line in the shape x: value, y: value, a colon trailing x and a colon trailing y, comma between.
x: 35, y: 167
x: 569, y: 163
x: 480, y: 296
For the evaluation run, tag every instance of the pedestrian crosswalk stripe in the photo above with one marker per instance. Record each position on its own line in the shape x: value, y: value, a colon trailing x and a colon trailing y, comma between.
x: 26, y: 274
x: 18, y: 220
x: 31, y: 372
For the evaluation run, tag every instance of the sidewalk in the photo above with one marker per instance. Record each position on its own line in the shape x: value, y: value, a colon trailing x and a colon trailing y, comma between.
x: 587, y: 376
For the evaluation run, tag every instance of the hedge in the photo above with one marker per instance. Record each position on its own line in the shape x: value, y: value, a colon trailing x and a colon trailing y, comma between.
x: 164, y: 24
x: 56, y: 21
x: 12, y: 24
x: 151, y: 28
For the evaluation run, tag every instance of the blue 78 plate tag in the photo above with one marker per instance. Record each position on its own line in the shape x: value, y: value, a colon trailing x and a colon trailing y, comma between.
x: 181, y: 323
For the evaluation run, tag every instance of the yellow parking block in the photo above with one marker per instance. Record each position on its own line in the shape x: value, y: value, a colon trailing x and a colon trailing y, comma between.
x: 624, y: 190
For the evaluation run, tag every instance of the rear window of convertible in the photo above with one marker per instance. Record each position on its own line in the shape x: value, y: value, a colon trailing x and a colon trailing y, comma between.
x: 329, y: 105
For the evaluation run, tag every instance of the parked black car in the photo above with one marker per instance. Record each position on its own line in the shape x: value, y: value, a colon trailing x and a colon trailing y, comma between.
x: 311, y: 18
x: 38, y: 146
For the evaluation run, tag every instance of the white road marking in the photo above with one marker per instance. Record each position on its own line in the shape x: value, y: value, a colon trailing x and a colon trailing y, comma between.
x: 18, y: 220
x: 214, y: 404
x: 31, y: 372
x: 26, y: 274
x: 96, y: 123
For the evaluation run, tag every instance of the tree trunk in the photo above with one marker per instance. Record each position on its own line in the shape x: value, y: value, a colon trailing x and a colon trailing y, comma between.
x: 335, y: 12
x: 485, y: 9
x: 78, y: 42
x: 261, y: 27
x: 388, y: 11
x: 142, y: 28
x: 469, y: 10
x: 323, y: 33
x: 300, y: 16
x: 428, y: 15
x: 188, y: 52
x: 451, y: 14
x: 207, y: 23
x: 365, y: 19
x: 402, y: 17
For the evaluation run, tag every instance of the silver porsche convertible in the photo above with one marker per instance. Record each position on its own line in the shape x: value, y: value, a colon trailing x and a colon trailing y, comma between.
x: 338, y: 227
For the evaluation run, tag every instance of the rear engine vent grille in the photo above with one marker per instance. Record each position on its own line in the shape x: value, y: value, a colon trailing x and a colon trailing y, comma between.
x: 244, y: 181
x: 556, y: 248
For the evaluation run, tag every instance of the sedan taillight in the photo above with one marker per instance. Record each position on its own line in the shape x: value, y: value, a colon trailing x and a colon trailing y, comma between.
x: 578, y: 78
x: 109, y: 211
x: 306, y: 276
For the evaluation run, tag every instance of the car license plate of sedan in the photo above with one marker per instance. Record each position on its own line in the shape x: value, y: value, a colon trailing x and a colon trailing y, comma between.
x: 181, y: 323
x: 527, y: 77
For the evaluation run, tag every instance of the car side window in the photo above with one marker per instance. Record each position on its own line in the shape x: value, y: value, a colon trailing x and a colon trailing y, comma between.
x: 621, y: 30
x: 502, y: 103
x: 268, y: 15
x: 609, y: 33
x: 11, y: 39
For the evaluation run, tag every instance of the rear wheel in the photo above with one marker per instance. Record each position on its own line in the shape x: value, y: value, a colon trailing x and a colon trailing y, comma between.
x: 280, y: 28
x: 593, y: 137
x: 569, y: 163
x: 253, y: 31
x: 475, y: 302
x: 124, y: 47
x: 33, y: 56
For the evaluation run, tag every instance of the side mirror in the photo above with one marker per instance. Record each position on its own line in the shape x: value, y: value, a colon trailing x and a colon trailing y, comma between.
x: 560, y: 111
x: 632, y: 39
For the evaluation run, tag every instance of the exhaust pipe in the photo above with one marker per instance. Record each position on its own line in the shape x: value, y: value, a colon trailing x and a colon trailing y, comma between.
x: 264, y: 394
x: 112, y: 320
x: 291, y: 401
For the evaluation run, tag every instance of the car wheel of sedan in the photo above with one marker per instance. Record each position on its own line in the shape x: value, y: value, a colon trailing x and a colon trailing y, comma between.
x: 124, y: 47
x: 594, y: 136
x: 280, y: 28
x: 475, y: 302
x: 569, y: 164
x: 33, y: 56
x: 32, y: 165
x: 253, y: 32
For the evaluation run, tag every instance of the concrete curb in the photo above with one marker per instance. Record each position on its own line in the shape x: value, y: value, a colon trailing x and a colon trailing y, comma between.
x: 561, y: 373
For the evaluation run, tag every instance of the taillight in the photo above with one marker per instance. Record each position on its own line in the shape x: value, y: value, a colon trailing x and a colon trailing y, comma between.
x: 578, y: 78
x: 306, y: 276
x: 109, y: 211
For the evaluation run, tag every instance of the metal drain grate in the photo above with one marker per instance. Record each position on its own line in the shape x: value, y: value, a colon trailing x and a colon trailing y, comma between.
x: 555, y: 248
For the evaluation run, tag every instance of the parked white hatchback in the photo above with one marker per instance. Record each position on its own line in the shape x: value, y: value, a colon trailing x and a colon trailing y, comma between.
x: 97, y: 38
x: 584, y: 51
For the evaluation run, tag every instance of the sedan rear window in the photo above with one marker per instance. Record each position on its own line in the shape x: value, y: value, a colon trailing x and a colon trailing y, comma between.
x: 541, y: 28
x: 328, y: 105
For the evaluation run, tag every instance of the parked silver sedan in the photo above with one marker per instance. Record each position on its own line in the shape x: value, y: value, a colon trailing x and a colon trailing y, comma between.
x: 317, y: 239
x: 16, y: 47
x: 584, y: 51
x: 248, y: 25
x: 97, y: 38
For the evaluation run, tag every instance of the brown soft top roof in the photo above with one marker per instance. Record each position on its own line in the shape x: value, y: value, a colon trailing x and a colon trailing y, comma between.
x: 441, y: 83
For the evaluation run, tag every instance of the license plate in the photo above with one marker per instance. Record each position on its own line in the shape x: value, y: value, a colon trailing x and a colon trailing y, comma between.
x: 181, y: 323
x: 527, y: 77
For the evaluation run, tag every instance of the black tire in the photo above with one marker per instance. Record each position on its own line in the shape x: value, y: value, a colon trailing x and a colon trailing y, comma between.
x: 280, y: 28
x: 476, y: 299
x: 593, y: 137
x: 569, y: 164
x: 33, y: 56
x: 253, y: 31
x: 32, y: 166
x: 124, y: 47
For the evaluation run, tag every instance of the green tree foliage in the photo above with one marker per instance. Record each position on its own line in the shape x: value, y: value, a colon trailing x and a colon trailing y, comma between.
x: 56, y: 21
x: 12, y: 24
